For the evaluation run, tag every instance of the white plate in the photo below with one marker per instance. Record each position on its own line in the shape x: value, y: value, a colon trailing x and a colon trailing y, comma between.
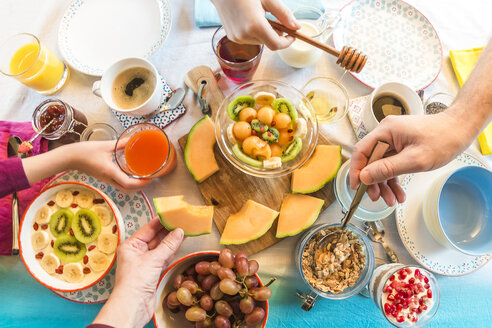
x: 400, y: 43
x: 95, y: 33
x: 414, y: 234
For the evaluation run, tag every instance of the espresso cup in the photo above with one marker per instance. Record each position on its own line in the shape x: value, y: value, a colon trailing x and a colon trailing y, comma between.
x: 103, y: 88
x: 405, y: 94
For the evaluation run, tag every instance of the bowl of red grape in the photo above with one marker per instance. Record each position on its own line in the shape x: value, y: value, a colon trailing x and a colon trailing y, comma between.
x: 212, y: 289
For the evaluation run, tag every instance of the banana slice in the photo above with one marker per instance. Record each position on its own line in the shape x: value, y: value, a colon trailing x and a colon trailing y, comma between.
x: 272, y: 163
x: 72, y: 272
x: 84, y: 199
x: 50, y: 263
x: 264, y: 98
x: 98, y: 261
x: 64, y: 198
x: 300, y: 126
x: 103, y: 213
x: 43, y: 215
x: 39, y: 239
x: 230, y: 134
x: 107, y: 242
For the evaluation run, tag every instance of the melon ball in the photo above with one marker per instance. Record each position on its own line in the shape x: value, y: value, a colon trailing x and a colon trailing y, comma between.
x: 241, y: 130
x: 247, y: 114
x: 252, y: 144
x: 265, y: 114
x: 284, y: 137
x: 263, y: 153
x: 276, y: 150
x: 282, y: 120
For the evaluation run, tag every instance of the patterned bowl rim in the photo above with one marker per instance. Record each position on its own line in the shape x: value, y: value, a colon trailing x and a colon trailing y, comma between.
x: 354, y: 75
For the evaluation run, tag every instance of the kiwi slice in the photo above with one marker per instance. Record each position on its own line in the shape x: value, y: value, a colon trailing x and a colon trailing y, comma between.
x: 238, y: 104
x: 86, y: 226
x: 61, y: 222
x: 259, y: 126
x: 282, y: 105
x: 68, y: 249
x: 245, y: 158
x: 291, y: 150
x: 271, y: 135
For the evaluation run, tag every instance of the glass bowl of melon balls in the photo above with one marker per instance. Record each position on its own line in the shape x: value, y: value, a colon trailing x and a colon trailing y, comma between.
x: 266, y: 128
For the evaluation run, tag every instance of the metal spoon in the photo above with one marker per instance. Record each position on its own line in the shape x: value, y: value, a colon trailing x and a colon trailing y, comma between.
x: 12, y: 150
x: 173, y: 100
x: 30, y: 141
x: 377, y: 153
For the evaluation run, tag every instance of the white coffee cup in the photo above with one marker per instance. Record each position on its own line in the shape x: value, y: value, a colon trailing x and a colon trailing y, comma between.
x: 409, y: 98
x: 103, y: 87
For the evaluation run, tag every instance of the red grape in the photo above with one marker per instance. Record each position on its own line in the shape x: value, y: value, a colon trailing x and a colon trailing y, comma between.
x: 206, y: 302
x: 253, y: 267
x: 235, y: 306
x: 195, y: 313
x: 242, y: 266
x: 251, y: 282
x: 184, y: 296
x: 172, y: 300
x: 214, y: 266
x: 241, y: 254
x: 247, y: 305
x: 208, y: 282
x: 207, y: 323
x: 260, y: 293
x: 202, y: 267
x: 199, y: 278
x: 226, y: 258
x: 215, y: 292
x: 222, y: 322
x: 190, y: 278
x: 190, y: 271
x: 225, y: 273
x: 229, y: 286
x: 255, y: 317
x: 191, y: 286
x: 178, y: 280
x: 223, y: 308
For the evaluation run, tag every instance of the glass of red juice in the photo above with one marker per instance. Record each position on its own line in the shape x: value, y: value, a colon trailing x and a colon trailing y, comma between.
x: 238, y: 61
x: 144, y: 151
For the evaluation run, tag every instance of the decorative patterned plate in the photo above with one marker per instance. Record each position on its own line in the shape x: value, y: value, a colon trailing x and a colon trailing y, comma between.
x: 93, y: 33
x: 414, y: 234
x: 135, y: 210
x: 400, y: 43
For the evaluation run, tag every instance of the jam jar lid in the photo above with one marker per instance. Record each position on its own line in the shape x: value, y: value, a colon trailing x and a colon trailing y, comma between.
x: 368, y: 210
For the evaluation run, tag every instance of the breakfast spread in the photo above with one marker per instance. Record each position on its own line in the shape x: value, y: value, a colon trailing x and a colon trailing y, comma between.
x: 222, y: 293
x: 267, y: 131
x: 74, y: 236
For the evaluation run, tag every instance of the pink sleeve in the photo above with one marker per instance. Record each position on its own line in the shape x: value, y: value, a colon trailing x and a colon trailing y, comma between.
x: 12, y: 176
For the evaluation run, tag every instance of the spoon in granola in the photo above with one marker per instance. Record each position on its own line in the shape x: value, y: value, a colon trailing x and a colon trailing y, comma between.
x: 334, y: 238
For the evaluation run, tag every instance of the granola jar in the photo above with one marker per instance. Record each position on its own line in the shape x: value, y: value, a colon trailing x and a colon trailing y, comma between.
x: 363, y: 279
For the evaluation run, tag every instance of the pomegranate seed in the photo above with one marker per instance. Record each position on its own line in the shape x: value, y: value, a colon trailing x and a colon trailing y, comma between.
x: 417, y: 273
x: 51, y: 203
x: 419, y: 311
x: 60, y: 268
x: 406, y: 306
x: 394, y: 314
x: 86, y: 259
x: 87, y: 270
x: 427, y: 286
x: 426, y: 280
x: 402, y: 276
x: 273, y: 123
x: 75, y: 193
x: 391, y: 298
x: 74, y: 205
x: 335, y: 109
x: 411, y: 281
x: 421, y: 301
x: 392, y: 278
x: 399, y: 307
x: 269, y: 134
x: 423, y: 307
x: 253, y: 132
x: 58, y: 271
x: 402, y: 271
x: 421, y: 289
x: 71, y: 231
x: 388, y: 289
x: 387, y: 308
x: 408, y: 270
x: 91, y: 247
x: 429, y: 293
x: 44, y: 226
x: 39, y: 256
x: 52, y: 243
x: 290, y: 130
x: 400, y: 319
x: 291, y: 138
x: 35, y: 226
x: 98, y: 201
x: 262, y: 129
x: 115, y: 228
x: 414, y: 319
x: 414, y: 310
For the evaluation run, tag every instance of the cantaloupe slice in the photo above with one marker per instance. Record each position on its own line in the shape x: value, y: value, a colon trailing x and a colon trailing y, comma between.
x: 174, y: 213
x: 297, y: 213
x: 320, y: 169
x: 199, y: 150
x: 250, y: 223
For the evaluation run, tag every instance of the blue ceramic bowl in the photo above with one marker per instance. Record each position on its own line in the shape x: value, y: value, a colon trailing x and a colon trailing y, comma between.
x: 465, y: 210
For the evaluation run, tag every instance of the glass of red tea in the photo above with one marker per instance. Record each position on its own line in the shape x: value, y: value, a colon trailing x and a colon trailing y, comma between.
x: 238, y: 61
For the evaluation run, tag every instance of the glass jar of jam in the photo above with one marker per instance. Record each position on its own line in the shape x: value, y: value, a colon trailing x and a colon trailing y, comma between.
x: 66, y: 124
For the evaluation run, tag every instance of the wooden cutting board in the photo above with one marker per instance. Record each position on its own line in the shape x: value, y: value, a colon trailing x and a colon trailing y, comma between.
x: 228, y: 189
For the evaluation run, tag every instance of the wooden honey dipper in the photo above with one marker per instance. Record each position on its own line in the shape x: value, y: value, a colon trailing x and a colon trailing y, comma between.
x: 349, y: 58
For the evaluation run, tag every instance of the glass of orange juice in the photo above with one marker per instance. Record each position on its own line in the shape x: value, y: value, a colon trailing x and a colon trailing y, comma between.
x: 144, y: 151
x: 26, y: 59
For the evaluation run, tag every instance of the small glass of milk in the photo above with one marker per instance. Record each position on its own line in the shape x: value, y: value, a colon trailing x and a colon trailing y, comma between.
x: 315, y: 24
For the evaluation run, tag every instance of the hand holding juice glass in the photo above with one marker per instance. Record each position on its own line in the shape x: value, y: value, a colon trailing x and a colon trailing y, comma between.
x: 26, y: 59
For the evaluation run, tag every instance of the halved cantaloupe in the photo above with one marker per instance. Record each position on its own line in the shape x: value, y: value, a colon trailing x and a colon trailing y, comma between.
x: 297, y: 213
x: 174, y: 213
x: 199, y: 150
x: 250, y: 223
x: 320, y: 169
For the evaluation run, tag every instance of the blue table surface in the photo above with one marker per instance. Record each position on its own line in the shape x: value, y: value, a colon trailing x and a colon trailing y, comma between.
x: 465, y: 302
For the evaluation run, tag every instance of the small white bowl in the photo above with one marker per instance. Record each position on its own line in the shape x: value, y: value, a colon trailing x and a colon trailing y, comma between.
x: 25, y: 246
x: 170, y: 320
